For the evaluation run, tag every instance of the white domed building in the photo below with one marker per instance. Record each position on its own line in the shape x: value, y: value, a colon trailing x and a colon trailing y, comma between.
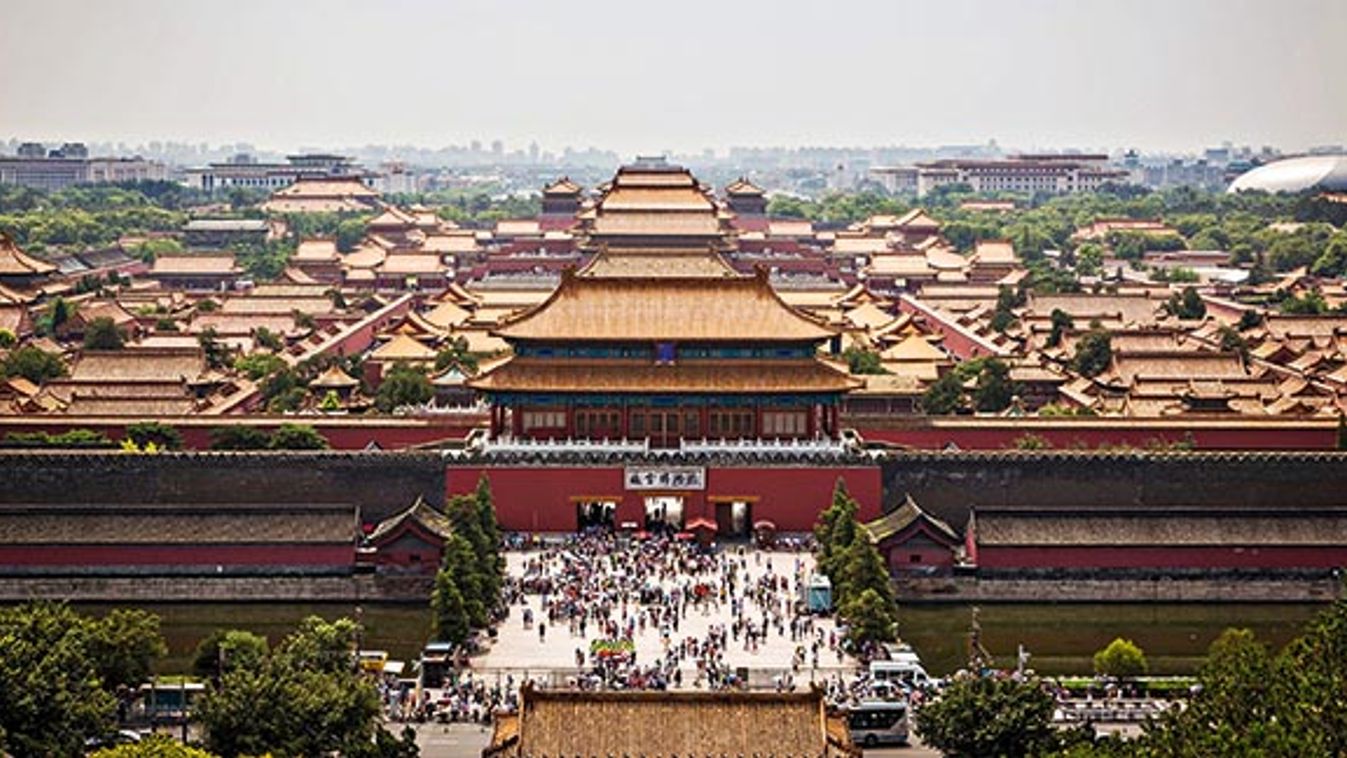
x: 1324, y: 172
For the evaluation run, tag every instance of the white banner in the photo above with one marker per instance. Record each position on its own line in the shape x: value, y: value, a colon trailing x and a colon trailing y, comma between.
x: 665, y: 477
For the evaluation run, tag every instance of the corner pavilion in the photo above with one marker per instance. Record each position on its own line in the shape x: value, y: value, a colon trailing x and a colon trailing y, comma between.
x: 657, y: 385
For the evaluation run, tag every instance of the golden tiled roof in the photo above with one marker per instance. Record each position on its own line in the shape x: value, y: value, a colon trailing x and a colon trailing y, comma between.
x: 402, y: 348
x: 644, y: 262
x: 130, y: 364
x: 1171, y: 527
x: 144, y: 525
x: 786, y: 725
x: 742, y: 186
x: 447, y: 314
x: 664, y: 309
x: 655, y: 224
x: 639, y: 376
x: 410, y: 263
x: 15, y: 262
x: 326, y: 188
x: 334, y: 378
x: 562, y: 186
x: 313, y: 250
x: 222, y: 264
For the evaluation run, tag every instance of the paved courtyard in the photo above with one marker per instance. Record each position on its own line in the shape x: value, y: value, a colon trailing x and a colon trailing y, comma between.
x: 519, y: 650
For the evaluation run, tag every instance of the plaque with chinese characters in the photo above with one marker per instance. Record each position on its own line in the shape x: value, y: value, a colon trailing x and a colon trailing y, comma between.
x: 665, y: 477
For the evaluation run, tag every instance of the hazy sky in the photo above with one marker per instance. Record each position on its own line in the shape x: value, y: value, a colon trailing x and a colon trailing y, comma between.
x: 682, y: 74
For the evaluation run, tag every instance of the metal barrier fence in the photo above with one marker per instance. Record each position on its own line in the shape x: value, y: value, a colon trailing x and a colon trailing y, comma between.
x: 754, y: 678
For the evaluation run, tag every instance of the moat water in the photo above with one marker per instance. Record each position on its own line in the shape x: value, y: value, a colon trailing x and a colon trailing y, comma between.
x: 1061, y: 637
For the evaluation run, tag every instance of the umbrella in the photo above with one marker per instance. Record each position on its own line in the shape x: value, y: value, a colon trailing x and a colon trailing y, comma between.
x: 700, y: 522
x: 683, y: 536
x: 764, y: 525
x: 641, y: 535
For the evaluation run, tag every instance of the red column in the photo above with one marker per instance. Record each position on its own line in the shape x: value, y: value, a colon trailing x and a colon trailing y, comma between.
x: 516, y: 422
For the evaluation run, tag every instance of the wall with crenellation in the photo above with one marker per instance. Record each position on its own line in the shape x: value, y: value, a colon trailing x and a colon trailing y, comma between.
x: 948, y: 484
x: 380, y: 484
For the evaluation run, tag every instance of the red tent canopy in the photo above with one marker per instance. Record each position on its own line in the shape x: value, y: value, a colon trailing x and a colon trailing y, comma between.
x: 701, y: 522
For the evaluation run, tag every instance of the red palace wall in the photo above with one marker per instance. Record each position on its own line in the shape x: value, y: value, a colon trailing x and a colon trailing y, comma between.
x: 336, y: 556
x: 342, y: 433
x: 1066, y: 434
x: 543, y: 499
x: 1160, y: 557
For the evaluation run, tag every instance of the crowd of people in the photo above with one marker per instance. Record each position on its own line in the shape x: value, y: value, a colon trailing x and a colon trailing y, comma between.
x: 607, y: 593
x: 611, y: 600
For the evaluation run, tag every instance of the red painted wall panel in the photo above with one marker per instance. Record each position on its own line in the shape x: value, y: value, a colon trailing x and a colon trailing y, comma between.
x: 1134, y: 432
x: 990, y: 556
x: 541, y: 499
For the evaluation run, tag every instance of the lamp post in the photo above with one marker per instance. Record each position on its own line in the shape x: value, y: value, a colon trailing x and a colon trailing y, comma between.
x: 359, y: 635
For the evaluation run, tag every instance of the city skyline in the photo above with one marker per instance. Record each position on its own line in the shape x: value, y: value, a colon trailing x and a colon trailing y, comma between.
x: 1175, y: 79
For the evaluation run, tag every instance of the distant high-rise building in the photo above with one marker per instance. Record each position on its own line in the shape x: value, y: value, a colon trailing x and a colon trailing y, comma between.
x: 1057, y: 174
x: 70, y: 165
x: 244, y: 171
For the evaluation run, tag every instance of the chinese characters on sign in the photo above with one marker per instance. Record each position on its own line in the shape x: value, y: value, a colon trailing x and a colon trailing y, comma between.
x: 665, y: 477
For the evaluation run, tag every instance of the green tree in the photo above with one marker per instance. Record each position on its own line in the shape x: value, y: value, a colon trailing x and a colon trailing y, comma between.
x: 1187, y: 305
x: 944, y: 396
x: 993, y: 391
x: 349, y: 233
x: 1004, y: 314
x: 297, y: 437
x: 51, y: 698
x: 238, y: 437
x: 304, y: 698
x: 403, y: 385
x: 226, y: 650
x: 870, y: 618
x: 269, y: 339
x: 865, y: 593
x: 153, y: 746
x: 862, y: 361
x: 103, y: 334
x: 1094, y: 353
x: 978, y: 716
x: 1061, y: 321
x: 7, y: 339
x: 469, y: 578
x: 1121, y: 659
x: 124, y: 645
x: 33, y: 364
x: 58, y: 314
x: 450, y: 614
x: 259, y: 365
x: 842, y: 507
x: 217, y: 353
x: 162, y: 435
x: 458, y: 352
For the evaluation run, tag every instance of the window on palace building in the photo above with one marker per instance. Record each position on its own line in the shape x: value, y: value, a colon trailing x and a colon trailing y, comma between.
x: 596, y: 422
x: 691, y: 420
x: 544, y: 420
x: 732, y: 424
x: 784, y: 423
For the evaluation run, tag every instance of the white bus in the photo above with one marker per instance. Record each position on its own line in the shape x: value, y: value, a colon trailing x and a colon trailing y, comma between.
x: 880, y: 722
x: 909, y: 672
